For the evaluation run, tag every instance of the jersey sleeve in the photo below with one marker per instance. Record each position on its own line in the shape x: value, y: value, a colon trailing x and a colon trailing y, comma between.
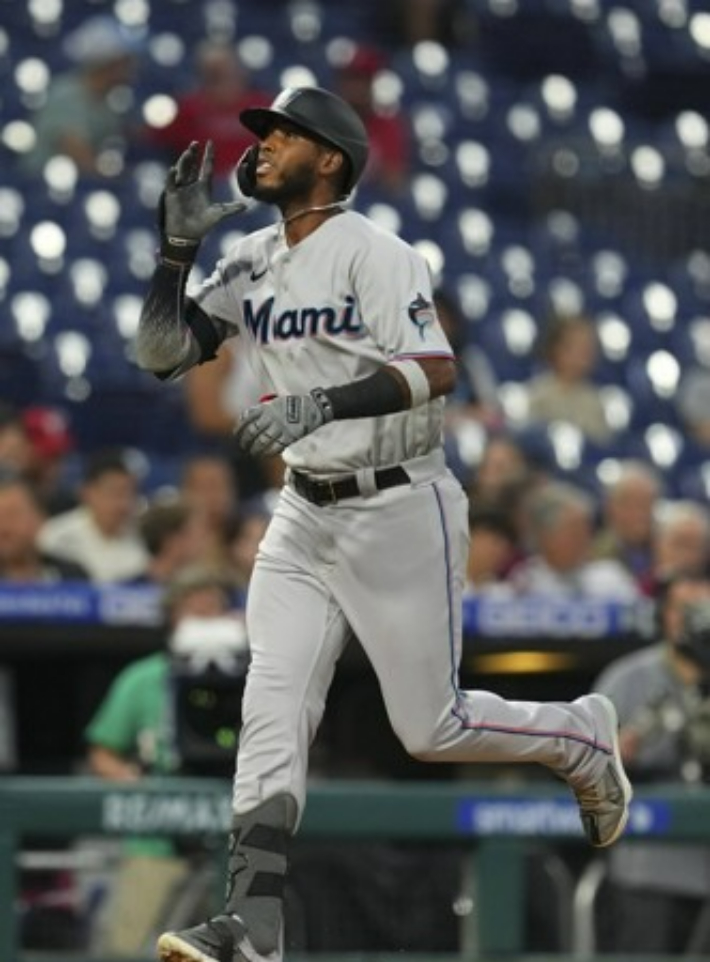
x: 393, y: 286
x: 213, y: 296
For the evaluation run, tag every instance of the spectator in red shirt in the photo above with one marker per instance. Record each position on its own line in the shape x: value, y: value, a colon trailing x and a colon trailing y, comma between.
x: 388, y: 132
x: 210, y: 109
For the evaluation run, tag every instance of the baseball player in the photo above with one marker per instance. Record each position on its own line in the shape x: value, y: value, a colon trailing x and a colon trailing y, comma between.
x: 369, y: 537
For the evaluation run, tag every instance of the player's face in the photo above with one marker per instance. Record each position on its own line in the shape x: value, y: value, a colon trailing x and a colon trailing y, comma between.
x: 287, y: 167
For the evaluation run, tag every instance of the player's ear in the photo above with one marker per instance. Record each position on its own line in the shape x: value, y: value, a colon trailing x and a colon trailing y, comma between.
x: 331, y: 162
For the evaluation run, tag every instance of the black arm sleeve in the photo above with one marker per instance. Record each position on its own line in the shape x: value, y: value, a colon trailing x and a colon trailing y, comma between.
x: 167, y: 314
x: 381, y: 393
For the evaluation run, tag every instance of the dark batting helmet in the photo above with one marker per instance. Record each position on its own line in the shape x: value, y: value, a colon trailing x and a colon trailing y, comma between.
x: 320, y: 113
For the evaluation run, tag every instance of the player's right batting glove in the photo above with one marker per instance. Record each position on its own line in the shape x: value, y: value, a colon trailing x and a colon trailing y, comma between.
x: 186, y: 212
x: 270, y: 427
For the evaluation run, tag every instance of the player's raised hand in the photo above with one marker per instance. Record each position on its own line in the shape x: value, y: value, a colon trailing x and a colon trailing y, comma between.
x: 187, y: 211
x: 271, y: 427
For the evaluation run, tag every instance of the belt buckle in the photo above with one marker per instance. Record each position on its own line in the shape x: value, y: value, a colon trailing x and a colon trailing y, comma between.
x: 325, y: 492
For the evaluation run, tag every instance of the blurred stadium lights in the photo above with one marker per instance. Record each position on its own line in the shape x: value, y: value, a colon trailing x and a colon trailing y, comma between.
x: 473, y: 94
x: 159, y: 110
x: 477, y: 231
x: 648, y: 166
x: 567, y: 444
x: 18, y: 136
x: 664, y: 373
x: 470, y: 440
x: 673, y: 13
x: 523, y: 122
x: 562, y: 227
x: 474, y: 296
x: 102, y: 211
x: 433, y: 255
x: 661, y: 305
x: 387, y: 92
x: 167, y: 49
x: 306, y: 20
x: 614, y: 336
x: 88, y: 280
x: 473, y: 161
x: 31, y: 311
x: 149, y: 178
x: 431, y: 59
x: 560, y: 97
x: 519, y: 330
x: 503, y: 8
x: 625, y: 29
x: 126, y: 311
x: 429, y: 122
x: 610, y: 271
x: 256, y: 52
x: 566, y: 296
x: 12, y: 208
x: 429, y: 194
x: 518, y: 265
x: 298, y: 75
x: 607, y: 128
x: 61, y: 175
x: 45, y: 13
x: 385, y: 216
x: 515, y: 401
x: 618, y: 406
x: 139, y: 249
x: 132, y: 13
x: 32, y: 77
x: 48, y: 242
x: 5, y: 275
x: 609, y: 471
x: 587, y: 10
x: 664, y: 444
x: 73, y: 352
x: 699, y: 29
x: 692, y: 129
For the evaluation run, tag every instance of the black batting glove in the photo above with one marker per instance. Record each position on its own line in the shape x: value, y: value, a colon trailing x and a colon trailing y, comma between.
x: 186, y: 212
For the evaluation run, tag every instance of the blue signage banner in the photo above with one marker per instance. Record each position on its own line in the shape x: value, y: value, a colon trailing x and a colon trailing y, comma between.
x: 80, y: 603
x: 548, y: 617
x: 540, y: 617
x: 519, y: 815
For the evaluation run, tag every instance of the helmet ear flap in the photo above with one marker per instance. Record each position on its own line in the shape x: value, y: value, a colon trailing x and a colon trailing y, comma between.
x: 246, y: 170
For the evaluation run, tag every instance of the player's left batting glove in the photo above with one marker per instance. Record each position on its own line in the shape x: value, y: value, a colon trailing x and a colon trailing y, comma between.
x: 270, y: 427
x: 186, y: 212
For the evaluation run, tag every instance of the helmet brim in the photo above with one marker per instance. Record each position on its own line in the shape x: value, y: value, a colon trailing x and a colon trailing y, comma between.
x: 260, y: 120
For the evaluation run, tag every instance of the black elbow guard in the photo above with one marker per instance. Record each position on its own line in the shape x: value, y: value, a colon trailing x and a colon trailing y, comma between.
x: 202, y: 330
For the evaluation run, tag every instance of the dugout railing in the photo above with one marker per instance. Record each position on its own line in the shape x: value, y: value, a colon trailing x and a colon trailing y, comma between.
x: 493, y: 822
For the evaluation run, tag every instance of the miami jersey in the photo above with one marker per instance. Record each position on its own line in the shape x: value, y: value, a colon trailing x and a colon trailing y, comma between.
x: 334, y: 308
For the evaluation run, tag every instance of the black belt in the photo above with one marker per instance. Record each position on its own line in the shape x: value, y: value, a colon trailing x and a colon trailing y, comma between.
x: 328, y: 492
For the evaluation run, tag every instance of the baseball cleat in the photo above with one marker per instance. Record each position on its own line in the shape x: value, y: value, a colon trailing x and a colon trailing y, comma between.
x: 217, y: 940
x: 604, y: 806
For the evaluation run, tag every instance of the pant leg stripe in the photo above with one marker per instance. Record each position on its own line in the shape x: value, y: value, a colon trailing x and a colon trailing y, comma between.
x: 538, y: 733
x: 449, y: 590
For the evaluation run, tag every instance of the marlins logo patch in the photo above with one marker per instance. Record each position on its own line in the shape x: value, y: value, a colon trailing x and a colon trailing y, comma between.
x: 421, y: 313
